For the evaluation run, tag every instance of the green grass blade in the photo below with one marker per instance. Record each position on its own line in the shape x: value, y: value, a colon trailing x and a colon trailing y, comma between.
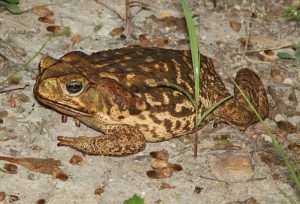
x: 277, y: 146
x: 25, y: 66
x: 201, y: 116
x: 176, y: 87
x: 194, y: 47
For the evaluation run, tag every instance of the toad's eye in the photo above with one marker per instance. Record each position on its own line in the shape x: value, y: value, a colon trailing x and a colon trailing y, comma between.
x: 74, y: 86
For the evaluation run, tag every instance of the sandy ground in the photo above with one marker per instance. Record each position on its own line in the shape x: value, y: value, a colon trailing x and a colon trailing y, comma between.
x: 231, y: 167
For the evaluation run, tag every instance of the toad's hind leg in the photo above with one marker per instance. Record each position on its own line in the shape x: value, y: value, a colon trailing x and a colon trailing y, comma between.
x: 118, y: 140
x: 237, y: 111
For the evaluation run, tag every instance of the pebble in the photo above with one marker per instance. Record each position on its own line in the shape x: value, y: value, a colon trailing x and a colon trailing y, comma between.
x: 288, y: 81
x: 279, y: 117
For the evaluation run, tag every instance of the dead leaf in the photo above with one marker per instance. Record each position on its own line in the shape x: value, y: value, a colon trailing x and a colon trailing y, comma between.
x: 59, y: 30
x: 75, y: 39
x: 47, y: 19
x: 2, y: 196
x: 41, y: 201
x: 76, y: 160
x: 277, y: 75
x: 42, y: 11
x: 175, y: 167
x: 166, y: 186
x: 162, y: 155
x: 286, y: 126
x: 251, y: 200
x: 159, y: 164
x: 54, y: 28
x: 13, y: 198
x: 235, y: 26
x: 10, y: 168
x: 99, y: 190
x: 117, y: 31
x: 160, y: 173
x: 268, y: 56
x: 44, y: 166
x: 294, y: 147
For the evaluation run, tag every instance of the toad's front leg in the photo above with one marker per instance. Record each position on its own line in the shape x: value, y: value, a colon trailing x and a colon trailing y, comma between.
x: 118, y: 140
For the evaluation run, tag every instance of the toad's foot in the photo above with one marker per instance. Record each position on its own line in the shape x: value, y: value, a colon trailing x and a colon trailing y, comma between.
x: 119, y: 140
x: 237, y: 111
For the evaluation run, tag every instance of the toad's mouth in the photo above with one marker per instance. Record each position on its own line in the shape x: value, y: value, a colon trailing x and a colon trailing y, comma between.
x: 63, y: 108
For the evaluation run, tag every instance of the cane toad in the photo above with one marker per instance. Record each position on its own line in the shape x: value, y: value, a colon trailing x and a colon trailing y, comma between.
x: 112, y: 91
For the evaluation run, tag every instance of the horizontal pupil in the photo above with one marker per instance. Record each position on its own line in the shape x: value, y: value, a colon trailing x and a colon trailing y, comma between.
x: 74, y: 86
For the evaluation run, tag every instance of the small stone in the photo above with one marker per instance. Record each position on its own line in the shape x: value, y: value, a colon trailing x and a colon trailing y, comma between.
x: 231, y: 167
x: 198, y: 189
x: 288, y: 81
x: 279, y: 117
x: 32, y: 176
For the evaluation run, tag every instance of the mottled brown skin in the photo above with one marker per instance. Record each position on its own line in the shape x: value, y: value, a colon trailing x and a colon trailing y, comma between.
x: 114, y: 92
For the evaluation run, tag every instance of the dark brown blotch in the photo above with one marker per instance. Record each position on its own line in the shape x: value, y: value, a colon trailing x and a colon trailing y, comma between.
x: 187, y: 125
x: 155, y: 119
x: 168, y: 124
x: 183, y: 113
x: 121, y: 117
x: 177, y: 124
